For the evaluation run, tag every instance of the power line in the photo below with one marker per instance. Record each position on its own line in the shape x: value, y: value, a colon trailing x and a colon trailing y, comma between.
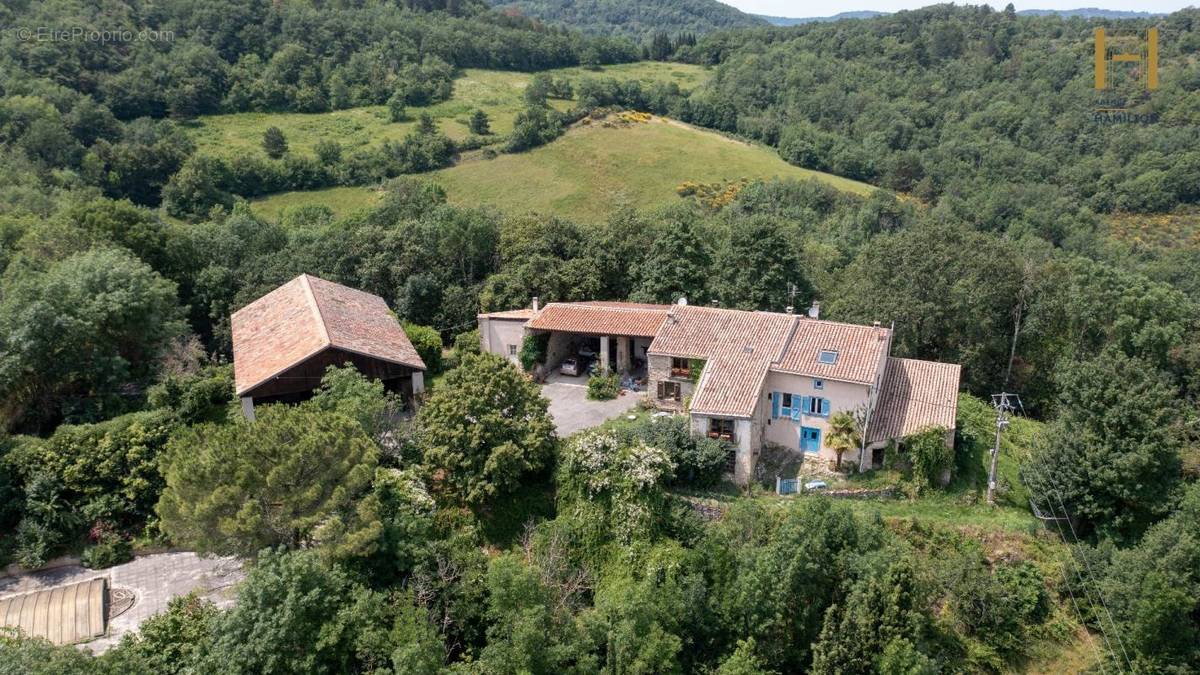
x: 1099, y: 592
x: 1083, y: 582
x: 1075, y: 602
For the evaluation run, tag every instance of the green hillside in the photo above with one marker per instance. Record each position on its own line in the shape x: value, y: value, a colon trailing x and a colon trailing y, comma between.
x: 498, y: 93
x: 637, y: 19
x: 591, y: 171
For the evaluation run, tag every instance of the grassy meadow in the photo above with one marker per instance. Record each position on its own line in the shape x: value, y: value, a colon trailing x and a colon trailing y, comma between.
x: 498, y: 93
x: 592, y: 171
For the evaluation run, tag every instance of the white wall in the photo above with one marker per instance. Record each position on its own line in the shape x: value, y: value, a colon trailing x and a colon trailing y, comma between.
x: 785, y: 432
x: 498, y: 335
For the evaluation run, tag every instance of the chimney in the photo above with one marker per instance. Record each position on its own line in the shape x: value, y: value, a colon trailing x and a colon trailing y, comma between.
x: 682, y: 300
x: 814, y: 312
x: 535, y: 304
x: 789, y: 309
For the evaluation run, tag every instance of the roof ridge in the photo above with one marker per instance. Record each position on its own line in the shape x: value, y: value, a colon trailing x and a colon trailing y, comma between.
x: 316, y: 307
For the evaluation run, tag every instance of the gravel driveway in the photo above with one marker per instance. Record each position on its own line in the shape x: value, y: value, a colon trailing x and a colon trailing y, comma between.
x: 571, y: 409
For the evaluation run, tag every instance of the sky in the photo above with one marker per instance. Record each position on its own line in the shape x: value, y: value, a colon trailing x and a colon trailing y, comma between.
x: 806, y: 8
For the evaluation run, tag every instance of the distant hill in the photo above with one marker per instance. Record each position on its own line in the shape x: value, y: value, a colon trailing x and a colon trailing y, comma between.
x: 1085, y: 12
x: 787, y: 21
x: 1091, y: 13
x: 636, y: 19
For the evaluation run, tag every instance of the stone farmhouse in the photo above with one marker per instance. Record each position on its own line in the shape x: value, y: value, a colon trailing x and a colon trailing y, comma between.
x: 749, y: 378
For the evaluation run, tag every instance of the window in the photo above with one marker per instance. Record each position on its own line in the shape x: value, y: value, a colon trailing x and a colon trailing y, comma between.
x: 512, y: 350
x: 828, y: 356
x: 680, y: 367
x: 787, y: 401
x: 721, y: 429
x: 818, y: 406
x: 818, y: 384
x: 669, y: 391
x: 731, y: 461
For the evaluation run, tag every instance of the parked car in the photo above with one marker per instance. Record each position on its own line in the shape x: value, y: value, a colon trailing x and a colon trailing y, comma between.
x: 816, y: 485
x: 571, y: 366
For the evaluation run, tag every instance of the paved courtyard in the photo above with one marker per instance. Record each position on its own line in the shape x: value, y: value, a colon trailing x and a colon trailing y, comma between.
x: 571, y: 409
x: 154, y: 580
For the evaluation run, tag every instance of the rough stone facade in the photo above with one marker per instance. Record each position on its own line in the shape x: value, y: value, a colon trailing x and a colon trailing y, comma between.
x: 660, y: 371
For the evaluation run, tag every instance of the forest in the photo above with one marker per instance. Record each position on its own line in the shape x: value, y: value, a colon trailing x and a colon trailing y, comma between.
x: 1011, y: 233
x: 640, y: 21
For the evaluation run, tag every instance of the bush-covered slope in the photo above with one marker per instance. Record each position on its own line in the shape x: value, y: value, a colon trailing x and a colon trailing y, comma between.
x: 638, y: 19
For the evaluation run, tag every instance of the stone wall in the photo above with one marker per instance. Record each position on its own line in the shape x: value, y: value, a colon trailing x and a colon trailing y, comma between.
x: 660, y: 371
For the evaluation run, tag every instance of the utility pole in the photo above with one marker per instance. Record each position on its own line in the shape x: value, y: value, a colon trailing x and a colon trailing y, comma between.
x: 1004, y: 403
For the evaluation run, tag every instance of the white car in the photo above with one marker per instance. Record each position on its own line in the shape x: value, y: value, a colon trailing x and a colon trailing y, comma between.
x: 570, y: 366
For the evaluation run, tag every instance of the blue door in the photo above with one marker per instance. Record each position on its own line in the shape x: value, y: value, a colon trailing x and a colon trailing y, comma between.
x: 810, y: 440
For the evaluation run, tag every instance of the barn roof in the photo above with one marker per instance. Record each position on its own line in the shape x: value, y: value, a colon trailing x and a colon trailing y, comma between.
x: 915, y: 395
x: 306, y: 316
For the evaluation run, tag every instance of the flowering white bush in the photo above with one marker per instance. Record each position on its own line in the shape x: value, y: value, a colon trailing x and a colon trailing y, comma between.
x: 623, y: 479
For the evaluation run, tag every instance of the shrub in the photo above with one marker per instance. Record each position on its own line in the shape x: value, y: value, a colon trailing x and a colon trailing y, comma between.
x: 699, y: 460
x: 428, y: 343
x: 467, y: 343
x: 929, y: 456
x: 603, y: 387
x: 110, y: 549
x: 274, y: 143
x: 34, y: 543
x: 533, y: 350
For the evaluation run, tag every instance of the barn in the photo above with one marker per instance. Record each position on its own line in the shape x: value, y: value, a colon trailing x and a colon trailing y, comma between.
x: 284, y: 341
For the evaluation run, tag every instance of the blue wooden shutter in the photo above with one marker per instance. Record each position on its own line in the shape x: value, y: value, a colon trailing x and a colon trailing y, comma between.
x: 825, y: 406
x: 774, y: 405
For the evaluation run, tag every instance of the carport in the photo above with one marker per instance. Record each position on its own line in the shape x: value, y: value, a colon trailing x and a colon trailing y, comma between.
x: 617, y: 333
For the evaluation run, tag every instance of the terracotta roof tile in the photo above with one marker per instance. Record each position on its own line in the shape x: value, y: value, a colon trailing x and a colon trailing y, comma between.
x: 601, y: 318
x: 860, y: 350
x: 306, y: 316
x: 915, y: 395
x: 738, y: 346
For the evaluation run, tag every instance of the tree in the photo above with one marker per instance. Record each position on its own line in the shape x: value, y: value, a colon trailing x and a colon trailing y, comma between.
x: 775, y: 575
x: 428, y: 343
x: 74, y: 336
x: 285, y: 620
x: 743, y: 661
x: 844, y: 434
x: 677, y: 265
x: 395, y: 106
x: 758, y: 267
x: 329, y: 153
x: 173, y: 641
x: 949, y: 289
x: 484, y: 427
x: 348, y: 392
x: 883, y: 608
x: 295, y: 478
x: 1111, y: 457
x: 614, y: 487
x: 1153, y: 590
x: 480, y: 124
x: 426, y: 125
x: 274, y: 143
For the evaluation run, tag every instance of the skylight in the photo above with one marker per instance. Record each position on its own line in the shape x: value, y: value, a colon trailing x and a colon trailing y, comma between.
x: 828, y: 356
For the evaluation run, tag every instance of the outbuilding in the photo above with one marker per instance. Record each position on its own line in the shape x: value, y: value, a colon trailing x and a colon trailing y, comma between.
x: 284, y: 341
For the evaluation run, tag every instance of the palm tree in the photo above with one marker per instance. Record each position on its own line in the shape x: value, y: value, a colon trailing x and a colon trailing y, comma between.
x: 843, y: 434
